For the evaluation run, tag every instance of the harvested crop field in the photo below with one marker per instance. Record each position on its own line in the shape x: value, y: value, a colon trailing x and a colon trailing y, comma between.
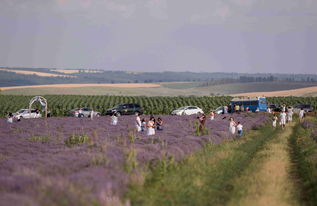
x: 308, y: 91
x: 127, y: 85
x: 90, y: 162
x: 42, y: 74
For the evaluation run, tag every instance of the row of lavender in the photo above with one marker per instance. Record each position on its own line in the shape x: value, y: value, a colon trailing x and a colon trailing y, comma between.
x: 38, y: 167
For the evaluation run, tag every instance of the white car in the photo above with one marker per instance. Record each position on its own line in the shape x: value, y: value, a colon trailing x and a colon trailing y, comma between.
x: 219, y: 110
x: 24, y: 113
x: 187, y: 110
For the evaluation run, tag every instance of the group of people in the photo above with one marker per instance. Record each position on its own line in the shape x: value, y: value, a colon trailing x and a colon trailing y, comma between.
x: 141, y: 124
x: 286, y: 115
x: 233, y: 126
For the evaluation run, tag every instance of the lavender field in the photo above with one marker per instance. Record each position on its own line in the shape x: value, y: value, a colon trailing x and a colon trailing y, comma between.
x: 77, y: 161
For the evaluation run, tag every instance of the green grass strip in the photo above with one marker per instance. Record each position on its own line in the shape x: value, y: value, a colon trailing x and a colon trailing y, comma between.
x: 304, y: 157
x: 203, y: 178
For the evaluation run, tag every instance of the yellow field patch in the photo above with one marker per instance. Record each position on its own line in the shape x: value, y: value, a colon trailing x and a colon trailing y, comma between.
x: 74, y: 71
x: 292, y: 92
x: 42, y: 74
x: 127, y: 85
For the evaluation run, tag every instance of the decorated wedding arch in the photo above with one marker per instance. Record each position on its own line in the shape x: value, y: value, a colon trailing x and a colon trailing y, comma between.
x: 42, y: 101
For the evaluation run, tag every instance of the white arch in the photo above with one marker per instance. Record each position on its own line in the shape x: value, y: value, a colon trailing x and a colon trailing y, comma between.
x: 42, y: 101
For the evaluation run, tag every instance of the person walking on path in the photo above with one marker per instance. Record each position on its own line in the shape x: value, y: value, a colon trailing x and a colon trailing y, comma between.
x: 274, y: 121
x: 138, y: 122
x: 301, y: 114
x: 151, y: 126
x: 232, y: 126
x: 289, y: 114
x: 283, y: 119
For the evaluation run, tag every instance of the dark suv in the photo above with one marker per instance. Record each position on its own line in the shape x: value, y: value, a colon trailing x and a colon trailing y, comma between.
x: 306, y: 107
x: 125, y: 109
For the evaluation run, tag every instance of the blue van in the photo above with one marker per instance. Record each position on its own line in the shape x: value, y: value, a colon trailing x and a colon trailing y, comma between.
x: 253, y: 103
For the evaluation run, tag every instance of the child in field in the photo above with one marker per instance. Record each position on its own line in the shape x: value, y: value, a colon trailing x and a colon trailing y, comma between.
x: 114, y: 119
x: 143, y: 125
x: 283, y: 119
x: 151, y: 126
x: 232, y: 126
x: 159, y: 124
x: 138, y: 123
x: 240, y: 129
x: 274, y: 121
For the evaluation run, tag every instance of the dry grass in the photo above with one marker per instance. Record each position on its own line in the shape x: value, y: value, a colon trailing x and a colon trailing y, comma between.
x: 269, y: 182
x: 293, y: 92
x: 42, y: 74
x: 128, y: 85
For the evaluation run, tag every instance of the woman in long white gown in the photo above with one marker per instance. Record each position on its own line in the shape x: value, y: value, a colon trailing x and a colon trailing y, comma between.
x: 232, y: 126
x: 151, y: 127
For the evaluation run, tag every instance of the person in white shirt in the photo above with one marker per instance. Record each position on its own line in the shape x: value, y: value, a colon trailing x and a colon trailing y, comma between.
x: 301, y: 114
x: 269, y: 110
x: 289, y: 114
x: 283, y: 119
x: 114, y: 119
x: 138, y: 123
x: 274, y: 121
x: 240, y: 129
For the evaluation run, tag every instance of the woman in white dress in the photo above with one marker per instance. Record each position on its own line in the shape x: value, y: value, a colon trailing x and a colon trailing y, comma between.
x: 232, y: 126
x: 151, y: 126
x: 138, y: 123
x: 114, y: 119
x: 283, y: 119
x: 212, y: 115
x: 301, y: 114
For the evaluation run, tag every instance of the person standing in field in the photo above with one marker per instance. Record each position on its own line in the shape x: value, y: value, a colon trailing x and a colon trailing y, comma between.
x: 240, y: 129
x: 232, y: 126
x: 159, y: 124
x: 212, y: 115
x: 10, y: 118
x: 151, y: 126
x: 289, y: 114
x: 202, y: 121
x: 114, y: 119
x: 138, y: 122
x: 283, y: 119
x: 301, y: 114
x: 143, y: 125
x: 274, y: 121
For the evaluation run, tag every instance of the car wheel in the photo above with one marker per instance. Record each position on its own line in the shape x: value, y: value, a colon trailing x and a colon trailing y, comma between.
x: 97, y: 115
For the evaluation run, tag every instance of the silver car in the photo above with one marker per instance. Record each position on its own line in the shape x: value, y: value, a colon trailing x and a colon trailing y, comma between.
x: 24, y: 113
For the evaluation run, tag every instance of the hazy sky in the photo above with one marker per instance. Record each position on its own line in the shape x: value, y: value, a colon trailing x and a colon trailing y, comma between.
x: 158, y: 35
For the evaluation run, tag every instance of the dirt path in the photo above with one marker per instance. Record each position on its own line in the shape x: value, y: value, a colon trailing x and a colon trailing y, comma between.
x: 267, y: 181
